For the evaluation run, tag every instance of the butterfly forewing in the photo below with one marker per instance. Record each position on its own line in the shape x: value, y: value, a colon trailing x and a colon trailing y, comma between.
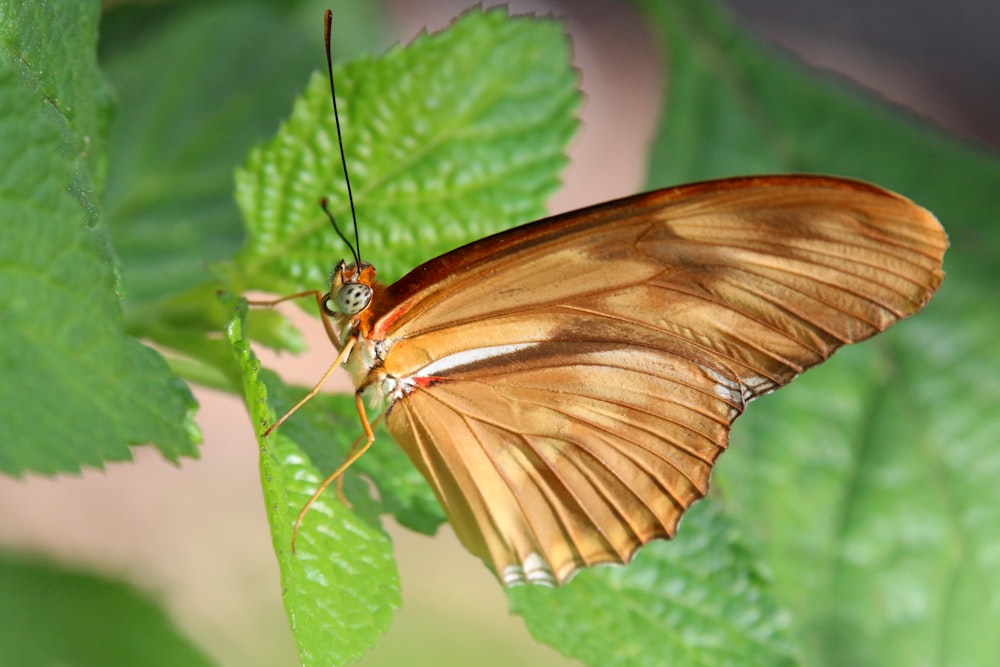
x: 566, y: 386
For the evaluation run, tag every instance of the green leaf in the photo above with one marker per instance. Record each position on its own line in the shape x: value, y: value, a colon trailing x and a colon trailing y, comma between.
x: 458, y: 135
x: 55, y: 616
x: 697, y: 600
x: 76, y: 390
x: 340, y: 585
x: 866, y: 485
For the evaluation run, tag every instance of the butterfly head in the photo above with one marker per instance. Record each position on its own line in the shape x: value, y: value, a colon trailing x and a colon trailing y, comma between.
x: 351, y: 289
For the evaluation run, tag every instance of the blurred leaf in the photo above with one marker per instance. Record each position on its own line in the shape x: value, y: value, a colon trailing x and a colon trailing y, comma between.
x: 76, y: 390
x: 53, y: 616
x: 457, y: 135
x: 866, y: 484
x: 697, y: 600
x: 340, y: 585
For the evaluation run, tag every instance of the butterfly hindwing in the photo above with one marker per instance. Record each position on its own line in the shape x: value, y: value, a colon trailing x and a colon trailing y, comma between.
x: 568, y: 459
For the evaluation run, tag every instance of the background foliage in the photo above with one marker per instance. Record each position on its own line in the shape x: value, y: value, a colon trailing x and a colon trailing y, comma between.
x: 854, y: 522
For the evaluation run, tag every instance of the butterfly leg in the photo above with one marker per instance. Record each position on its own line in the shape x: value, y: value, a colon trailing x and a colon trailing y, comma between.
x: 355, y: 454
x: 331, y: 333
x: 315, y: 390
x: 350, y: 453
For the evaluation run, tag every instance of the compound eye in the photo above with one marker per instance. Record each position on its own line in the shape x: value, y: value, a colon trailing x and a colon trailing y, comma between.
x: 352, y: 298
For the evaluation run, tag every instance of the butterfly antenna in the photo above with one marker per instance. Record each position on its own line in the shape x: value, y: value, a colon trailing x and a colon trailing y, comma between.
x: 326, y: 209
x: 356, y: 248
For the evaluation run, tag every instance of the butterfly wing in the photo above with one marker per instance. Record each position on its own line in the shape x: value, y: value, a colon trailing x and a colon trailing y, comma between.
x: 568, y: 384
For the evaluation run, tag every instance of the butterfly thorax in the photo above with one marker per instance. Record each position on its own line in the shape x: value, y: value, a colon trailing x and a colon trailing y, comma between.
x: 365, y: 366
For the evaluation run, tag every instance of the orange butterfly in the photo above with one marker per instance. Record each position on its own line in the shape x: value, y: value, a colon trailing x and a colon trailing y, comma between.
x: 566, y: 386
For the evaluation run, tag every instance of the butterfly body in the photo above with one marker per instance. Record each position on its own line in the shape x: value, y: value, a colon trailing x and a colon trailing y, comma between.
x: 566, y: 386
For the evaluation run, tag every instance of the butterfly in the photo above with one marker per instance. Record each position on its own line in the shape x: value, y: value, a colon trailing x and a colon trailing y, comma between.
x: 566, y: 386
